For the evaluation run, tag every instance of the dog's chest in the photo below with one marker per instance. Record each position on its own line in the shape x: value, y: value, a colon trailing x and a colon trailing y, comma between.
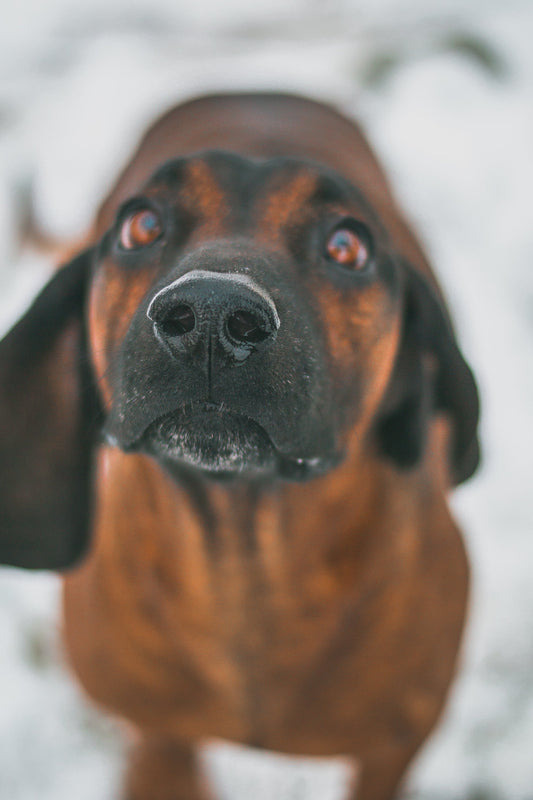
x: 250, y: 611
x: 225, y: 610
x: 222, y: 617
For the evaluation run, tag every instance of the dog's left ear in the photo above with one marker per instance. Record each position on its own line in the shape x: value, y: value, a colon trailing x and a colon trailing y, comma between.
x: 430, y: 376
x: 48, y: 416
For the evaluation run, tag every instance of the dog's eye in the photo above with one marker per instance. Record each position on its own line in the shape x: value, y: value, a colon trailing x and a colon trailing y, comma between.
x: 140, y: 229
x: 348, y: 248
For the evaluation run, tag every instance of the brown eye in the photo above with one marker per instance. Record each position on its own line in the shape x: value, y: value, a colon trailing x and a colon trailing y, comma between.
x: 140, y: 229
x: 347, y: 248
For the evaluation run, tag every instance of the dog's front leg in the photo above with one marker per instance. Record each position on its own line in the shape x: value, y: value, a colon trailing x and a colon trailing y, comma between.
x: 163, y: 769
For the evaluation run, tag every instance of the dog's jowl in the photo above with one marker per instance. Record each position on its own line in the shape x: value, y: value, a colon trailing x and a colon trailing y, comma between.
x: 232, y: 422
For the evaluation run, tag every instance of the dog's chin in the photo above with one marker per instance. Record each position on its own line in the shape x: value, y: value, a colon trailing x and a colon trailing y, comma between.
x: 213, y: 440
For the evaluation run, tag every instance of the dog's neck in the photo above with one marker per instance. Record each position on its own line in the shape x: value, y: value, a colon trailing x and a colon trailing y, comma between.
x: 244, y: 519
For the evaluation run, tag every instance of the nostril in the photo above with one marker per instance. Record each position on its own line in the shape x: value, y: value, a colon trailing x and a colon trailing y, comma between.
x: 178, y: 321
x: 243, y: 326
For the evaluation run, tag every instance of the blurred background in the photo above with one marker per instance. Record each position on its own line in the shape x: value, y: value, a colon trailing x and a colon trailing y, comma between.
x: 445, y: 93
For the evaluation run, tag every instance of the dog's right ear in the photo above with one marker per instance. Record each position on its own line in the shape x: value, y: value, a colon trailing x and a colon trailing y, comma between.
x: 49, y: 413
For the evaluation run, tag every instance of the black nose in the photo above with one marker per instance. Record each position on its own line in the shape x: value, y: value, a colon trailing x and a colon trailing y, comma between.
x: 232, y: 307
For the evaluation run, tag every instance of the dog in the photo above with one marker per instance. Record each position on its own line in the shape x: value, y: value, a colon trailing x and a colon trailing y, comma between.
x: 232, y: 422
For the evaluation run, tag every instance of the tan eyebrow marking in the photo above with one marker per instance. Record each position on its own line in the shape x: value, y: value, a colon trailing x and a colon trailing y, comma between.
x: 203, y: 195
x: 284, y: 204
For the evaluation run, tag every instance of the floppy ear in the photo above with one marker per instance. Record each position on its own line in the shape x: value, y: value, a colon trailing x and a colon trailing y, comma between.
x: 430, y: 375
x: 48, y: 415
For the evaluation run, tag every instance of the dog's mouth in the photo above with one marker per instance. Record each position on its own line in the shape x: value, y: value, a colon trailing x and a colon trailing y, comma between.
x: 210, y: 437
x: 223, y: 443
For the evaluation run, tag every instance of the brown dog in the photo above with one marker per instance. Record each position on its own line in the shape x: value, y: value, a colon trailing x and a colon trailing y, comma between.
x: 269, y: 556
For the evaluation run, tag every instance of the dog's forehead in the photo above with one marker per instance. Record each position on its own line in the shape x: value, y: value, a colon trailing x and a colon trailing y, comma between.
x: 215, y: 182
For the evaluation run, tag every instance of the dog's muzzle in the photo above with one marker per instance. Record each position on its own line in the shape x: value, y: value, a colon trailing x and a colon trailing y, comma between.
x: 218, y: 373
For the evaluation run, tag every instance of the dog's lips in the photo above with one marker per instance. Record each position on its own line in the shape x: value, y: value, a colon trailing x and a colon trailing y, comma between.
x: 210, y: 437
x: 222, y: 442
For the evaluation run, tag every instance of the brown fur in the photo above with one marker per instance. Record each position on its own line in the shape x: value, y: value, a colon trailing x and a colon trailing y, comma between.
x: 276, y: 618
x: 321, y: 618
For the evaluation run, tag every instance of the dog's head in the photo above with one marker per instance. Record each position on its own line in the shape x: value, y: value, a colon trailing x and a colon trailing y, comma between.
x: 241, y: 317
x: 244, y: 316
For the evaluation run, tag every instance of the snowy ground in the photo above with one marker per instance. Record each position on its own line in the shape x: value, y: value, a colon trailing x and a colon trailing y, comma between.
x: 446, y: 96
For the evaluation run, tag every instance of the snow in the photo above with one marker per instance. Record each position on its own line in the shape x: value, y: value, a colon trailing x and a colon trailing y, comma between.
x: 79, y: 82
